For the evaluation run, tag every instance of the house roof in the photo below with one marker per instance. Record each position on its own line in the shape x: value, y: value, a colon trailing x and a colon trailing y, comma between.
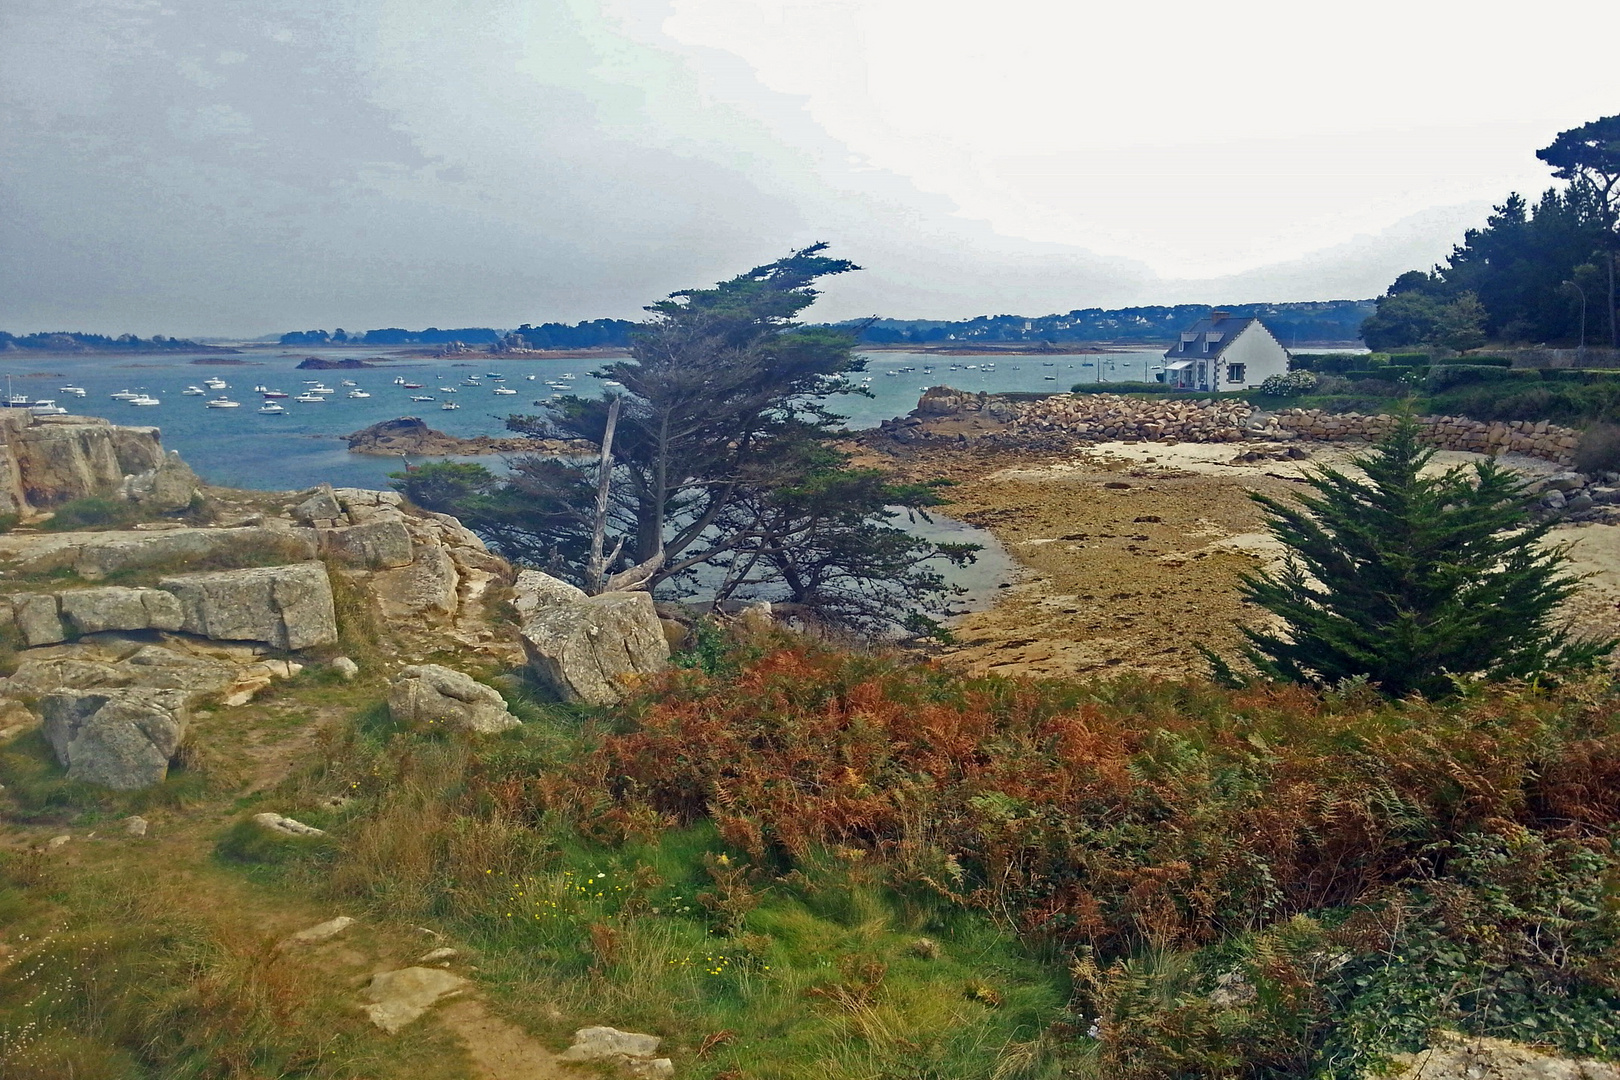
x: 1227, y: 327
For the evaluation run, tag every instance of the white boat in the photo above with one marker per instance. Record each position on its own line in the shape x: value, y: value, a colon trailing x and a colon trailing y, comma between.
x: 472, y: 380
x: 130, y: 395
x: 449, y: 405
x: 347, y: 382
x: 358, y: 394
x: 421, y: 397
x: 144, y: 399
x: 494, y: 374
x: 320, y: 388
x: 215, y: 383
x: 224, y: 403
x: 46, y: 407
x: 270, y: 408
x: 310, y: 399
x: 447, y: 390
x: 271, y: 394
x: 71, y: 391
x: 504, y: 390
x: 399, y: 380
x: 569, y: 375
x: 190, y: 391
x: 261, y: 388
x: 531, y: 378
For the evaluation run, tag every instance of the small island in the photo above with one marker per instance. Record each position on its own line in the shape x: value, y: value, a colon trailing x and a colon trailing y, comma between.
x: 411, y: 435
x: 348, y: 363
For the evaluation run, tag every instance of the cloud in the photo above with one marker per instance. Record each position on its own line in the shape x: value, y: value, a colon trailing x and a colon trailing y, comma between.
x: 200, y: 167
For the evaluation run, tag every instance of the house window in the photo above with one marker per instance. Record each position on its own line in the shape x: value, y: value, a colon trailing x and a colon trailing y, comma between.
x: 1235, y: 373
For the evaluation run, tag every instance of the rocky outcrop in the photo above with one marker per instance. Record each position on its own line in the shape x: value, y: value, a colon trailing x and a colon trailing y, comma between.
x: 115, y: 738
x: 168, y: 487
x: 348, y: 363
x: 411, y: 435
x: 94, y: 555
x: 52, y: 459
x: 427, y: 696
x: 287, y: 607
x: 597, y: 649
x: 382, y: 544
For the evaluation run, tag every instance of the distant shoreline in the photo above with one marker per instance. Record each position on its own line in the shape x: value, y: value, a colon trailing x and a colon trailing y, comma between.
x: 1066, y: 348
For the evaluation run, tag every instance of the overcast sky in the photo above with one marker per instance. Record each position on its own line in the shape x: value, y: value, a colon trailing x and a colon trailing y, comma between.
x: 248, y: 166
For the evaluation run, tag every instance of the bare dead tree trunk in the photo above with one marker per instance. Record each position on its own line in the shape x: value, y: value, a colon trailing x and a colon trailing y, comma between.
x: 596, y: 570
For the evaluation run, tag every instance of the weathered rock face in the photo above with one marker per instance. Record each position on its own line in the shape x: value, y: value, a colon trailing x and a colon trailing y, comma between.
x: 427, y: 695
x: 597, y: 649
x: 288, y: 607
x: 533, y: 590
x: 37, y: 619
x: 321, y: 506
x: 91, y: 611
x: 51, y: 459
x: 116, y: 738
x: 633, y: 1053
x: 168, y: 487
x: 377, y: 544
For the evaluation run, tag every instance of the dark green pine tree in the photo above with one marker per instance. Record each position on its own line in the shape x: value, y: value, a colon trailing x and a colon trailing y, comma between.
x: 1411, y: 580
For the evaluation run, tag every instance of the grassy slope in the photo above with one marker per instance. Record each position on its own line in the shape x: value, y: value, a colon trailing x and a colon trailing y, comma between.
x: 810, y: 864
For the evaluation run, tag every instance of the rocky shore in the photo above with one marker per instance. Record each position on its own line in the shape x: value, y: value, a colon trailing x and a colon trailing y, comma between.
x: 1132, y: 521
x: 411, y: 435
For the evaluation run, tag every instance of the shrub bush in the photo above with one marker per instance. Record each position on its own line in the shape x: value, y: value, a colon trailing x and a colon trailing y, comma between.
x: 1293, y: 384
x: 1599, y: 449
x: 94, y: 513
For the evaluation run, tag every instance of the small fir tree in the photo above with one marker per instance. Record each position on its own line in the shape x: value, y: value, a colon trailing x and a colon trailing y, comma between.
x: 1412, y: 580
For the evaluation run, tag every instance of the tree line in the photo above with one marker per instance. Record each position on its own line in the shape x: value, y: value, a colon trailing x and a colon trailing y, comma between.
x: 1542, y: 272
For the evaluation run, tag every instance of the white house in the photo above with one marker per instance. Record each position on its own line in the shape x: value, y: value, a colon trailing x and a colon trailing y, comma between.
x: 1222, y: 353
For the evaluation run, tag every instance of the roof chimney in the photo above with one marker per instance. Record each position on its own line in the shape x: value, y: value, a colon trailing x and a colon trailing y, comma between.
x: 1217, y: 315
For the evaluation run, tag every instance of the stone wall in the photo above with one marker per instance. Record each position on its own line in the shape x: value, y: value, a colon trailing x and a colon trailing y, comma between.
x: 1109, y: 416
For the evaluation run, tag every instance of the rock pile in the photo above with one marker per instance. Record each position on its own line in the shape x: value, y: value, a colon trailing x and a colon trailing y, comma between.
x: 1110, y: 416
x: 411, y: 435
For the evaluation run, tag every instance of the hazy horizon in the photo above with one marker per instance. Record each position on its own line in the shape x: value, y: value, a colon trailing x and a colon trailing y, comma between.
x: 210, y: 170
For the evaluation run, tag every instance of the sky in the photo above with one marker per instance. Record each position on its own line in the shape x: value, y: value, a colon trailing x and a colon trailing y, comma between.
x: 243, y: 167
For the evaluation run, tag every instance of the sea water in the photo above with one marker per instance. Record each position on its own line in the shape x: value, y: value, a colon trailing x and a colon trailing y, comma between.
x: 244, y: 448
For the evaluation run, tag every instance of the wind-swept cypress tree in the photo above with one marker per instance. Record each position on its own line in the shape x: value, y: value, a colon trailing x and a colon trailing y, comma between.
x: 1411, y: 580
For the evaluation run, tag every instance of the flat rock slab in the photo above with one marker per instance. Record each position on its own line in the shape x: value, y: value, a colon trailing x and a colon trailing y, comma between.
x: 111, y: 607
x: 285, y: 825
x: 318, y: 933
x: 633, y: 1053
x: 398, y: 997
x: 287, y: 607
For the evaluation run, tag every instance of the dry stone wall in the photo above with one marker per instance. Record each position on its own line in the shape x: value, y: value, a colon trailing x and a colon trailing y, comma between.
x: 1109, y: 416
